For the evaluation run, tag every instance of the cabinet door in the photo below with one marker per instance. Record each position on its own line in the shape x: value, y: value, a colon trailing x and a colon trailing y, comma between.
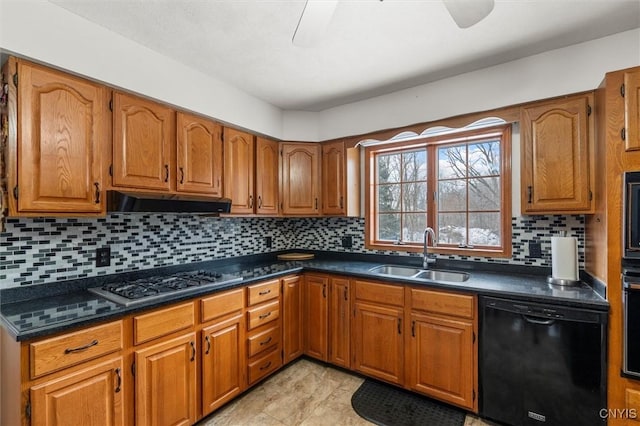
x: 556, y: 157
x: 222, y: 363
x: 143, y: 143
x: 199, y: 155
x: 92, y: 396
x: 316, y: 316
x: 238, y: 170
x: 632, y: 110
x: 300, y: 178
x: 339, y: 323
x: 333, y: 179
x: 293, y: 321
x: 267, y: 179
x: 378, y: 340
x: 442, y: 359
x: 165, y: 382
x: 63, y: 128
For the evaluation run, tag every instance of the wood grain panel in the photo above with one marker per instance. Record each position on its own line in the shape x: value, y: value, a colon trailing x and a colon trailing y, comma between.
x: 380, y: 293
x: 143, y: 143
x: 263, y: 314
x: 262, y: 292
x: 340, y: 323
x: 438, y: 302
x: 239, y: 170
x: 262, y: 341
x: 333, y: 179
x: 316, y: 311
x: 162, y: 322
x: 293, y: 329
x: 62, y: 129
x: 300, y: 178
x: 267, y: 176
x: 199, y: 155
x: 263, y: 366
x: 632, y: 109
x: 73, y: 348
x: 221, y: 304
x: 92, y: 396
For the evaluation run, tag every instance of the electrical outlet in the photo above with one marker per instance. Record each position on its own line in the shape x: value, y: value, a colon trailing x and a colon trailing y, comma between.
x: 103, y: 256
x: 347, y: 242
x: 268, y: 241
x: 535, y: 250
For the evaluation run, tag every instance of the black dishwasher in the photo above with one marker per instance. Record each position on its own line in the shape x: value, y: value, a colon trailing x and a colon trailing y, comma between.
x: 542, y: 364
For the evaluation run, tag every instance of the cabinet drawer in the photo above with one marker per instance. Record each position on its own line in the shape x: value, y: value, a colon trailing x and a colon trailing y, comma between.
x: 263, y: 314
x: 73, y: 348
x: 221, y: 304
x: 163, y: 322
x: 380, y: 293
x: 263, y: 366
x: 451, y: 304
x: 262, y: 292
x: 262, y: 341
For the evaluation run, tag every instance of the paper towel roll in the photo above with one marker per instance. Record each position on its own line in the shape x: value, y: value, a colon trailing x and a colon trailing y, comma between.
x: 564, y: 258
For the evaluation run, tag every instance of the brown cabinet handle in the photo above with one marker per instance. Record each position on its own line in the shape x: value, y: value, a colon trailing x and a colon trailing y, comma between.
x: 193, y: 350
x: 263, y: 316
x: 259, y: 201
x: 267, y: 365
x: 119, y: 376
x: 262, y: 293
x: 530, y: 190
x: 413, y: 329
x: 346, y: 293
x: 324, y: 290
x: 266, y: 342
x: 166, y: 173
x: 97, y: 185
x: 250, y: 201
x: 206, y: 339
x: 399, y: 325
x: 341, y: 202
x: 81, y: 348
x: 181, y: 175
x: 316, y: 204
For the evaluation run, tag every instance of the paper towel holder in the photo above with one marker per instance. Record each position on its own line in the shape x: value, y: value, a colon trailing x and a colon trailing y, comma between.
x: 562, y: 281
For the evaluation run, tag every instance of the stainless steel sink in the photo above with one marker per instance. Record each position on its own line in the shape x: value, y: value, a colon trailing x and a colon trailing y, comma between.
x: 423, y: 274
x: 401, y: 271
x: 450, y: 276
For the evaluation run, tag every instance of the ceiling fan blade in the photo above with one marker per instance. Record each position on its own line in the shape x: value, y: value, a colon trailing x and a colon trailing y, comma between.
x: 313, y: 22
x: 468, y: 12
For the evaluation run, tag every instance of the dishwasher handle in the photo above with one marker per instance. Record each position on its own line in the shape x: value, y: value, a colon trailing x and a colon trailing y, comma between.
x: 536, y: 320
x: 542, y: 311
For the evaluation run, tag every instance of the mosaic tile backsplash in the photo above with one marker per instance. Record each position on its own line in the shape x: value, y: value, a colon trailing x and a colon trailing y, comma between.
x: 37, y: 251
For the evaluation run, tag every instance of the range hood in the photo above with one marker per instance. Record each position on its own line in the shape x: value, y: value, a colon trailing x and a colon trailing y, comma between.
x: 171, y: 203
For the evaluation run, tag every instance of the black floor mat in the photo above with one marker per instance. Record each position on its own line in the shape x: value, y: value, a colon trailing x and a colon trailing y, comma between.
x: 386, y: 405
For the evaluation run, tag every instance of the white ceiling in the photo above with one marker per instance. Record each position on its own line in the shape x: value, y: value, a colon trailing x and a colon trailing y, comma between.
x: 371, y: 47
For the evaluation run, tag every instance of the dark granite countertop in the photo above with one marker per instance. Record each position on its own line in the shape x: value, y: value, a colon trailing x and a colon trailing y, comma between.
x: 65, y: 306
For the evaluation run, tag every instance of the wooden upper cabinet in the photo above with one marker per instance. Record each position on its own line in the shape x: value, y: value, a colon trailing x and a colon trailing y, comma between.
x: 199, y: 155
x: 239, y: 170
x: 267, y: 176
x: 300, y: 182
x: 556, y: 151
x: 62, y: 124
x: 632, y: 109
x: 143, y: 143
x: 333, y: 178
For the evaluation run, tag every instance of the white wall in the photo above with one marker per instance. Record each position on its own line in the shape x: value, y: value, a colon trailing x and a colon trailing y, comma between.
x: 47, y: 33
x: 571, y: 69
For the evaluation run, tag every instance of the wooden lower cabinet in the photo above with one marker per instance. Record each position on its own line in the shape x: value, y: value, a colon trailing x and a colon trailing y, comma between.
x: 316, y: 317
x: 441, y: 359
x: 339, y: 323
x: 91, y: 396
x: 292, y: 318
x: 379, y: 342
x: 165, y: 382
x: 222, y: 363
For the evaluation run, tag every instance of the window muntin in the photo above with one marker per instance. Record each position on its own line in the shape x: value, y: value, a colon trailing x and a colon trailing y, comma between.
x: 463, y: 182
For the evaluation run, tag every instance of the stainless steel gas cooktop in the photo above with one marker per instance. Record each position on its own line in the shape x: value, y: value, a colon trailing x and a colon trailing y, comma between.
x: 156, y: 288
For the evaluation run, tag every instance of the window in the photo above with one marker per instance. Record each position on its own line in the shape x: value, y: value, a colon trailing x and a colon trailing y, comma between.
x: 459, y: 185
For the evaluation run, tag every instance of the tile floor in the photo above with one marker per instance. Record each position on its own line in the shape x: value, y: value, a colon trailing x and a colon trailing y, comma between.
x: 304, y: 393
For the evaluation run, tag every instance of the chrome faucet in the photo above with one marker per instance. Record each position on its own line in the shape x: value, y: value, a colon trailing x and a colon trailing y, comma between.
x: 426, y: 260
